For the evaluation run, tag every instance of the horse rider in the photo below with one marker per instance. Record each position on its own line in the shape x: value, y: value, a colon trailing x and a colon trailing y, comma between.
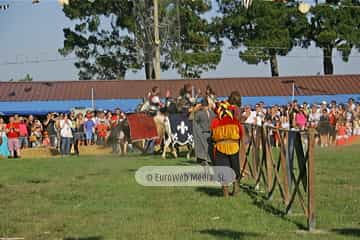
x: 154, y: 100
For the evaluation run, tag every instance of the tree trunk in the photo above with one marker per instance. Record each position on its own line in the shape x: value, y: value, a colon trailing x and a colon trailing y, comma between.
x: 327, y: 60
x: 148, y: 70
x: 274, y: 65
x: 149, y: 65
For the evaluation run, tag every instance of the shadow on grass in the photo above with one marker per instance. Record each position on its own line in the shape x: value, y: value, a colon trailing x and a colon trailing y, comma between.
x: 228, y: 234
x: 37, y: 181
x: 347, y: 231
x: 262, y: 203
x: 212, y: 192
x: 84, y: 238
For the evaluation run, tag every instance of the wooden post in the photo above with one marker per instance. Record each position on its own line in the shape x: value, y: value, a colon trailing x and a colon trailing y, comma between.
x: 311, y: 182
x: 242, y: 157
x: 269, y: 161
x: 283, y: 149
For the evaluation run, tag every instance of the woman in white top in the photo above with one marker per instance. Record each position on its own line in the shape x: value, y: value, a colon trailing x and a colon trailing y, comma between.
x: 66, y: 135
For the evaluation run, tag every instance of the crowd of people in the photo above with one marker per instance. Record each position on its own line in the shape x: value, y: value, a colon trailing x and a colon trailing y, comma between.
x: 334, y: 122
x: 64, y: 131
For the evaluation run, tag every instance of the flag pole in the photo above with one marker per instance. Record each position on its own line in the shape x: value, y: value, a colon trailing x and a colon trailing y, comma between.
x: 92, y: 99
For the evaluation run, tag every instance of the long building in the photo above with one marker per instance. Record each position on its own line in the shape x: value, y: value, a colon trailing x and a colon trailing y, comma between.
x: 40, y: 97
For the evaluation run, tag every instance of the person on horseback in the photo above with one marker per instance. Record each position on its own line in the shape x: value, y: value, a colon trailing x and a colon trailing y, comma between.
x: 153, y: 98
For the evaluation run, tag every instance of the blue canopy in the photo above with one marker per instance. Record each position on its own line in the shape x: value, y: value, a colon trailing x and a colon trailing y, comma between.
x: 129, y: 105
x: 44, y: 107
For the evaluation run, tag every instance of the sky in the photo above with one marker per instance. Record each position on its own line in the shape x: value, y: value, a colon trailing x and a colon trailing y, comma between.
x: 31, y: 34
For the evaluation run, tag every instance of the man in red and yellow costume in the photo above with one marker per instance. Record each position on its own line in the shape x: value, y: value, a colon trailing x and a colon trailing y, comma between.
x: 226, y: 134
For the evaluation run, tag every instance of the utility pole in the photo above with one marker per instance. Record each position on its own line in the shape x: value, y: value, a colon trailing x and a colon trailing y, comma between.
x: 156, y: 59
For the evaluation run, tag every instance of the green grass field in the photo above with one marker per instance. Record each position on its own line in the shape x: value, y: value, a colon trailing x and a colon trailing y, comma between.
x: 93, y: 198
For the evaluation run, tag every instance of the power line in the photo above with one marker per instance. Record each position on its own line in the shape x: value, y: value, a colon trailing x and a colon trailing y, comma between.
x: 54, y: 60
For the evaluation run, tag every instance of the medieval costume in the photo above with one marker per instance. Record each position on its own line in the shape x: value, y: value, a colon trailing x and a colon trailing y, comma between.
x: 226, y: 133
x: 201, y: 132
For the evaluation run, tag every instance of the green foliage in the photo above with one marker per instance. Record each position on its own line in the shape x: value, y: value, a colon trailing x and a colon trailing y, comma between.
x: 336, y: 25
x: 27, y: 78
x: 197, y: 50
x: 104, y: 52
x: 111, y: 37
x: 264, y: 30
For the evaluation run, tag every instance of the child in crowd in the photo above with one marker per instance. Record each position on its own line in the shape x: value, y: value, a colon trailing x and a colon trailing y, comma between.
x: 349, y: 129
x: 46, y: 139
x: 341, y: 134
x: 102, y: 129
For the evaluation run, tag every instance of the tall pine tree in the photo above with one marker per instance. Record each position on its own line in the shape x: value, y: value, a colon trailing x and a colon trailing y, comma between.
x: 263, y: 31
x: 112, y: 37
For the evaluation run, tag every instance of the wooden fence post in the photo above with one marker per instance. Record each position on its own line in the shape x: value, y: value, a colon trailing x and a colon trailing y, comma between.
x: 311, y: 182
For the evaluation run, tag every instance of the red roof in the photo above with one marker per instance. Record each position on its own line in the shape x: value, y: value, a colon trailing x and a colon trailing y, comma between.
x: 120, y: 89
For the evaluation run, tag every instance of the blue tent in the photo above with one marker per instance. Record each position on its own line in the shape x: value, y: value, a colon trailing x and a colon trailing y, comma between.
x: 43, y: 107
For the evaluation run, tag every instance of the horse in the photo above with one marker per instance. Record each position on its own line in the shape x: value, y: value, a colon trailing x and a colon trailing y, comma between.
x: 162, y: 121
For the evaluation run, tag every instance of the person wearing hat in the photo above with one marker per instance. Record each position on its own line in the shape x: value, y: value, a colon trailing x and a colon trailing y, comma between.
x: 226, y: 131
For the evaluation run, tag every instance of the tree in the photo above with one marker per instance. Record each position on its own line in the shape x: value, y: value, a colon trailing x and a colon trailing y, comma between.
x: 27, y: 78
x: 263, y: 31
x: 112, y: 37
x: 335, y: 25
x: 103, y: 49
x: 195, y: 49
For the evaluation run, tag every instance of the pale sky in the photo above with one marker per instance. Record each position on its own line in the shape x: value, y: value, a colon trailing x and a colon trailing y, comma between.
x: 30, y: 33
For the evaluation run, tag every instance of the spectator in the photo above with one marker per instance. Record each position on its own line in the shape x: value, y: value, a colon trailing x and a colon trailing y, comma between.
x: 349, y: 129
x: 13, y: 134
x: 23, y: 139
x: 314, y: 116
x: 351, y: 105
x: 49, y: 125
x: 29, y: 125
x: 301, y: 118
x: 46, y: 139
x: 260, y: 115
x: 332, y: 122
x: 323, y: 106
x: 36, y: 134
x: 210, y: 97
x: 356, y: 125
x: 324, y: 128
x: 101, y: 129
x: 66, y: 135
x: 285, y: 122
x: 341, y: 137
x: 4, y: 149
x: 89, y: 126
